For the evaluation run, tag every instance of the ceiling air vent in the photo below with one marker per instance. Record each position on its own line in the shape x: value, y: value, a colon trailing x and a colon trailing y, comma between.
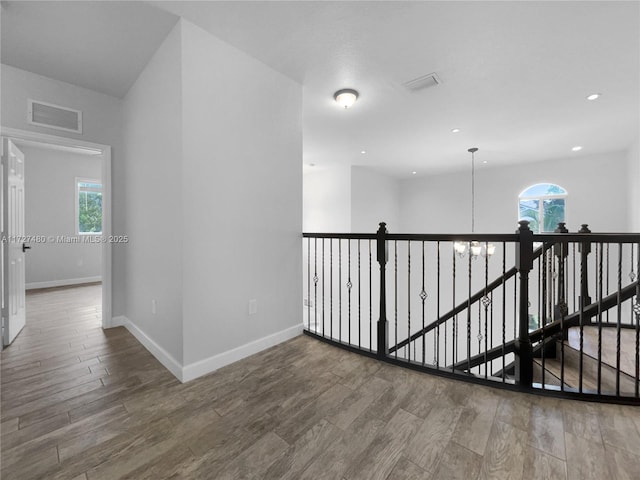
x: 54, y: 116
x: 420, y: 83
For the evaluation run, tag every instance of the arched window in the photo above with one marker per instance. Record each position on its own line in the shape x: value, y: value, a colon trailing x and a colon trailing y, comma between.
x: 543, y: 205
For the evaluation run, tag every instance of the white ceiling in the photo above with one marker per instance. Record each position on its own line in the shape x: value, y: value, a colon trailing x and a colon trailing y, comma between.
x: 514, y: 74
x: 102, y: 46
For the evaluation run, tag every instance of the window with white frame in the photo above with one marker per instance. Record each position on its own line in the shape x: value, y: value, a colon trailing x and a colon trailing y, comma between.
x: 543, y: 205
x: 88, y: 206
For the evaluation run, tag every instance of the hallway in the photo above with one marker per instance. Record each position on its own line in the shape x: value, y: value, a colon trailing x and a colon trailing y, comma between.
x: 80, y: 403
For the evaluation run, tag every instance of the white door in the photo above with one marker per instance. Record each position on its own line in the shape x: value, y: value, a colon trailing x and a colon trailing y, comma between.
x: 13, y: 238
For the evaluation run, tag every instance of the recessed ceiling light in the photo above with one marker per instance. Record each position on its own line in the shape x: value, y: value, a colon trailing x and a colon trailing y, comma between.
x: 593, y: 96
x: 346, y: 97
x: 484, y: 161
x: 577, y: 148
x: 414, y: 172
x: 455, y: 130
x: 363, y: 152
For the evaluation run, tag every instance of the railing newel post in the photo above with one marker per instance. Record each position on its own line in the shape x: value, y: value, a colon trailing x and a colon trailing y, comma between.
x: 382, y: 256
x: 523, y: 347
x: 585, y: 249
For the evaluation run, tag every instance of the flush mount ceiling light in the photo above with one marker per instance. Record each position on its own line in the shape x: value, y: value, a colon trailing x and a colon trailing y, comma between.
x: 363, y: 152
x: 346, y: 97
x: 455, y: 130
x: 577, y: 148
x: 593, y: 96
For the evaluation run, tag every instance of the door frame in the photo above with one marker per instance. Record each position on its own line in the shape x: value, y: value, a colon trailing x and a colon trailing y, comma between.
x: 105, y: 154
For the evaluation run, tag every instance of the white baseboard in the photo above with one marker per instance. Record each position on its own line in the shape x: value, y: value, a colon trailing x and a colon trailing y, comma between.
x: 119, y: 321
x: 208, y: 365
x: 62, y: 283
x: 211, y: 364
x: 156, y: 350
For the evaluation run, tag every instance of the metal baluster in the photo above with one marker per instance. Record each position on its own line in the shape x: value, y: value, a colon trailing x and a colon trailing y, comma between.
x: 553, y: 275
x: 542, y: 295
x: 359, y: 300
x: 479, y: 334
x: 582, y: 301
x: 563, y: 311
x: 565, y: 264
x: 340, y: 289
x: 515, y: 308
x: 599, y: 293
x: 437, y: 362
x: 618, y: 325
x: 607, y: 281
x: 315, y: 285
x: 632, y: 277
x: 487, y: 302
x: 541, y: 264
x: 331, y: 287
x: 469, y: 318
x: 454, y: 345
x: 551, y: 293
x: 370, y: 302
x: 574, y: 277
x: 423, y: 296
x: 395, y: 295
x: 504, y: 310
x: 349, y: 285
x: 636, y: 309
x: 309, y: 283
x: 491, y: 329
x: 549, y: 305
x: 409, y: 299
x: 323, y: 282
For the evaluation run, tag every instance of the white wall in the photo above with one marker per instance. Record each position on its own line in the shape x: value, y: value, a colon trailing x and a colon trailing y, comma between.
x: 100, y: 112
x: 597, y: 187
x: 153, y: 189
x: 242, y: 192
x: 50, y: 211
x: 343, y: 199
x: 213, y: 186
x: 102, y: 123
x: 633, y: 156
x: 375, y: 198
x: 327, y: 198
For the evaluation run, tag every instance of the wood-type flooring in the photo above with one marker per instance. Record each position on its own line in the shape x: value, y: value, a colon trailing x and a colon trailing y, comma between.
x: 80, y: 403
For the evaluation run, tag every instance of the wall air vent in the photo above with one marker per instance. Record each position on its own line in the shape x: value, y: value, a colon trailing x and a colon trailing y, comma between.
x: 48, y: 115
x: 420, y: 83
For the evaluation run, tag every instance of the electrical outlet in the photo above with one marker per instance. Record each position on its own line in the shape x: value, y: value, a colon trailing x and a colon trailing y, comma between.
x: 253, y: 306
x: 154, y: 306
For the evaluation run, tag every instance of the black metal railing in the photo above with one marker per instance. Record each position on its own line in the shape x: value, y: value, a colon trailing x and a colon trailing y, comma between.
x: 513, y: 310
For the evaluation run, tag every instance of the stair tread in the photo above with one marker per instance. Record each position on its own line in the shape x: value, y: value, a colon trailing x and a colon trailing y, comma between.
x: 571, y: 374
x: 609, y: 344
x: 589, y: 379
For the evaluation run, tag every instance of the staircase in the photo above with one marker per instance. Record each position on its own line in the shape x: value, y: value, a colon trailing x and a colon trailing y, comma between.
x: 591, y: 367
x: 556, y: 313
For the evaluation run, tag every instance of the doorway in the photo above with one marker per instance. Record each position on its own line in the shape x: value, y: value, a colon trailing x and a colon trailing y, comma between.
x: 67, y: 190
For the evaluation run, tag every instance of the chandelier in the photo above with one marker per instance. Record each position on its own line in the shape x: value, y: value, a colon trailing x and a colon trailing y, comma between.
x: 474, y: 248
